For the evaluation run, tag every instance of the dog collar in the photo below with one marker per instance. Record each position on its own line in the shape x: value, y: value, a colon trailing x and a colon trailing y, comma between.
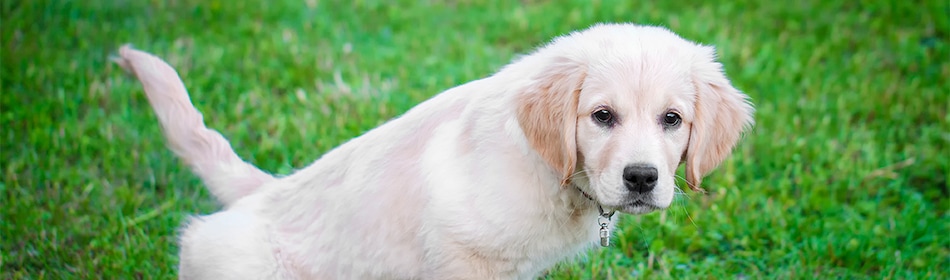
x: 602, y: 220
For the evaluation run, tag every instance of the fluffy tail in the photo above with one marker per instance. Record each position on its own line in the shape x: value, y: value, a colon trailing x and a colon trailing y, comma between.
x: 207, y: 152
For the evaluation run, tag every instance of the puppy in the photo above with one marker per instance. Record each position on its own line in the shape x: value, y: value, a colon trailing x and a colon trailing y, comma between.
x: 498, y: 178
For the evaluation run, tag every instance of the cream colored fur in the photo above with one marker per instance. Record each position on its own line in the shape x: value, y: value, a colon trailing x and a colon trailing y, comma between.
x: 482, y: 181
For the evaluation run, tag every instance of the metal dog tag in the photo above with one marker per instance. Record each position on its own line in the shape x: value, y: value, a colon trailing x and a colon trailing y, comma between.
x: 604, y: 235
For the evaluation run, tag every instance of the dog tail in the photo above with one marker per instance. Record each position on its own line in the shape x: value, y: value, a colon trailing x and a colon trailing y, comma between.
x: 207, y: 152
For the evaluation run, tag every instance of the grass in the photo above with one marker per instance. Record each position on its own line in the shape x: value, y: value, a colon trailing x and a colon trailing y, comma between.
x: 845, y: 175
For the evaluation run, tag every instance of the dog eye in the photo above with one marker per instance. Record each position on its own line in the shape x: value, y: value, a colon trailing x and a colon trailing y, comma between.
x: 671, y: 120
x: 604, y: 116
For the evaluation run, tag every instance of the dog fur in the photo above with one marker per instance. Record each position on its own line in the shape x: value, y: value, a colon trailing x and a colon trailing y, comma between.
x: 498, y: 178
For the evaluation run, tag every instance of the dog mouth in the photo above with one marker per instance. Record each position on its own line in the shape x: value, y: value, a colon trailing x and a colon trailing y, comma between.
x: 636, y: 205
x: 639, y: 207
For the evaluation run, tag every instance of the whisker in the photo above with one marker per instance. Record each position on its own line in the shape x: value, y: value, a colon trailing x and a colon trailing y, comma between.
x: 691, y: 185
x: 578, y: 174
x: 682, y: 203
x: 677, y: 189
x: 688, y: 217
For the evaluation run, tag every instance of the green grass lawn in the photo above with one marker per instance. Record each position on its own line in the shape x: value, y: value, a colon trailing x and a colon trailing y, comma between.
x: 844, y: 176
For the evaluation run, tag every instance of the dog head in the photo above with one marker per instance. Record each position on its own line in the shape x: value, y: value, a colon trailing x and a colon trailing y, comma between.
x: 615, y: 109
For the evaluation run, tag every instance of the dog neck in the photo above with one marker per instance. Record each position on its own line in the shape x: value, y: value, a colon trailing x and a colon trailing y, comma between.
x: 602, y: 220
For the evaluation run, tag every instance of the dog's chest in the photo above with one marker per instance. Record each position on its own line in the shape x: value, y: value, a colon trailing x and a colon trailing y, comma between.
x: 521, y: 247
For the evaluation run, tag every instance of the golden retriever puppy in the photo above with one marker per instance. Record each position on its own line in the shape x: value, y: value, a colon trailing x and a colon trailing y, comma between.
x: 498, y: 178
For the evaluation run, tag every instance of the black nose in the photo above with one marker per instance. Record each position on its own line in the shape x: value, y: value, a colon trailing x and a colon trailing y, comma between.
x: 639, y: 178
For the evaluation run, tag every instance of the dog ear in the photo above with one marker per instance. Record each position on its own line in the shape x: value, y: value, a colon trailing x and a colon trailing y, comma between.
x: 547, y: 113
x: 722, y: 114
